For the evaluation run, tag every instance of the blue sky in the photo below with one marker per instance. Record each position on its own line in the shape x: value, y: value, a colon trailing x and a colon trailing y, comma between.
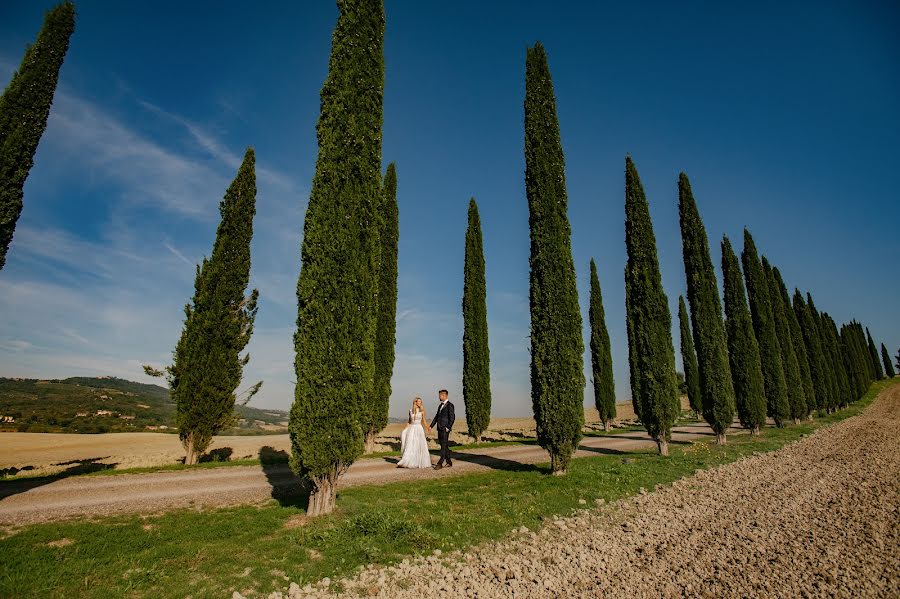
x: 784, y: 116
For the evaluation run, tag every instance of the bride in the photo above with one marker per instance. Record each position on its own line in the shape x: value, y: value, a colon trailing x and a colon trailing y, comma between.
x: 413, y: 444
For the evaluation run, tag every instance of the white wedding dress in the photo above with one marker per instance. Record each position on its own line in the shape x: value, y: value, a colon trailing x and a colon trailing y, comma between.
x: 413, y: 444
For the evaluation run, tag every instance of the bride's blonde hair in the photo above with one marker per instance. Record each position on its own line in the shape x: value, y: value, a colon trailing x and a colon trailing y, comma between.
x: 417, y: 399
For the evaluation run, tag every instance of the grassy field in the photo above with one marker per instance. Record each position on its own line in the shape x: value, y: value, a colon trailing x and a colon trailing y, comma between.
x: 258, y: 549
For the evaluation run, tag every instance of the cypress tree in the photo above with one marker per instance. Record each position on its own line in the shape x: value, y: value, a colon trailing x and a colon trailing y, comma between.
x: 833, y: 388
x: 764, y: 326
x: 873, y: 354
x: 716, y: 388
x: 376, y: 413
x: 689, y: 359
x: 897, y: 360
x: 633, y: 380
x: 796, y: 399
x: 859, y: 338
x: 601, y: 356
x: 814, y: 354
x: 557, y: 376
x: 799, y: 344
x: 24, y: 109
x: 855, y: 365
x: 843, y: 360
x: 207, y: 366
x: 476, y: 355
x: 886, y: 359
x: 337, y: 291
x: 743, y: 350
x: 651, y: 353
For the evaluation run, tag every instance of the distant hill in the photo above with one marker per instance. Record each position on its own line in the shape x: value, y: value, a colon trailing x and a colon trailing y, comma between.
x: 107, y: 404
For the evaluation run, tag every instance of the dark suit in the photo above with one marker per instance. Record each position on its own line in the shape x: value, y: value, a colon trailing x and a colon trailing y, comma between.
x: 444, y: 419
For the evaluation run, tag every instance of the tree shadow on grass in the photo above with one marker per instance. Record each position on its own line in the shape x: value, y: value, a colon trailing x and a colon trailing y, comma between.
x: 603, y: 450
x: 288, y: 489
x: 648, y: 439
x: 220, y: 454
x: 12, y: 487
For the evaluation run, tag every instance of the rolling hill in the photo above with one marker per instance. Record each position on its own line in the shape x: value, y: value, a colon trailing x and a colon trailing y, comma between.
x: 107, y: 404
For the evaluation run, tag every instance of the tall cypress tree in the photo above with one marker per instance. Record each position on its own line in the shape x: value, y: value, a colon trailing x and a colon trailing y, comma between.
x: 814, y: 354
x: 476, y: 355
x: 601, y: 355
x: 855, y: 365
x: 743, y: 350
x: 633, y: 380
x: 375, y: 416
x: 796, y: 399
x: 207, y: 366
x: 886, y: 359
x: 873, y: 354
x: 24, y: 109
x: 689, y: 359
x: 716, y: 388
x: 557, y: 377
x: 799, y: 344
x: 764, y: 327
x: 337, y: 291
x: 651, y: 352
x: 842, y: 362
x: 833, y: 389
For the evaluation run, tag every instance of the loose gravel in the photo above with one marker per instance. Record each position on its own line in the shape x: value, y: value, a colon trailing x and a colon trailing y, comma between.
x: 817, y: 518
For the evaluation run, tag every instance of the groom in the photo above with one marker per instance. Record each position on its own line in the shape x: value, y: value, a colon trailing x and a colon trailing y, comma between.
x: 444, y: 418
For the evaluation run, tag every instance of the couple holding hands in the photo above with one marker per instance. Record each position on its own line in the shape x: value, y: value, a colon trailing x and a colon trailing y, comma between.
x: 414, y: 444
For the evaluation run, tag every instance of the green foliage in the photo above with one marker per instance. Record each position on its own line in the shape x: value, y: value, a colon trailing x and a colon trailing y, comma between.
x: 886, y: 360
x: 476, y: 353
x: 601, y: 355
x: 798, y: 343
x: 716, y: 388
x: 743, y: 350
x: 873, y: 356
x: 557, y: 377
x: 831, y: 379
x: 338, y: 283
x: 24, y: 109
x: 764, y: 326
x: 796, y: 398
x: 376, y: 416
x: 207, y: 366
x: 855, y: 362
x: 814, y: 354
x: 651, y: 353
x: 689, y: 359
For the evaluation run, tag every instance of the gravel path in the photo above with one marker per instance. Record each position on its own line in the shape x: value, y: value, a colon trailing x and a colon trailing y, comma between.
x: 27, y: 501
x: 818, y: 518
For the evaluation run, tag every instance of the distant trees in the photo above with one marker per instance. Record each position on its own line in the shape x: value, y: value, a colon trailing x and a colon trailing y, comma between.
x: 800, y: 409
x: 743, y: 350
x: 337, y: 291
x: 764, y: 327
x: 650, y: 351
x: 376, y: 413
x: 557, y: 379
x: 207, y: 366
x: 886, y: 360
x: 794, y: 384
x: 476, y: 354
x: 601, y: 355
x: 716, y: 389
x: 689, y: 359
x: 24, y: 109
x: 873, y: 356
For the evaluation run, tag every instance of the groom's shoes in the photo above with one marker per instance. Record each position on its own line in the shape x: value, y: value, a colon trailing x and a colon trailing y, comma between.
x: 449, y: 464
x: 438, y: 466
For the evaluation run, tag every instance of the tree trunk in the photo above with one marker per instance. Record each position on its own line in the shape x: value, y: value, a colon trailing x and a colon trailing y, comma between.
x: 190, y: 452
x: 323, y: 495
x: 607, y: 426
x: 720, y: 439
x: 754, y: 430
x: 557, y: 464
x: 370, y: 442
x: 477, y: 438
x: 796, y: 421
x: 663, y: 446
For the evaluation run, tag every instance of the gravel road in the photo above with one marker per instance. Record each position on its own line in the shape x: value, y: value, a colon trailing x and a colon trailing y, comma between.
x: 818, y: 518
x: 27, y: 501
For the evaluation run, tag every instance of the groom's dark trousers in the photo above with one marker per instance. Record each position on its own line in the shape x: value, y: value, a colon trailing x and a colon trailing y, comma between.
x: 444, y: 420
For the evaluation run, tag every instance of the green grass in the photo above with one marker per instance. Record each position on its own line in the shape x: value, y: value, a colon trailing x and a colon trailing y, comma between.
x: 210, y: 554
